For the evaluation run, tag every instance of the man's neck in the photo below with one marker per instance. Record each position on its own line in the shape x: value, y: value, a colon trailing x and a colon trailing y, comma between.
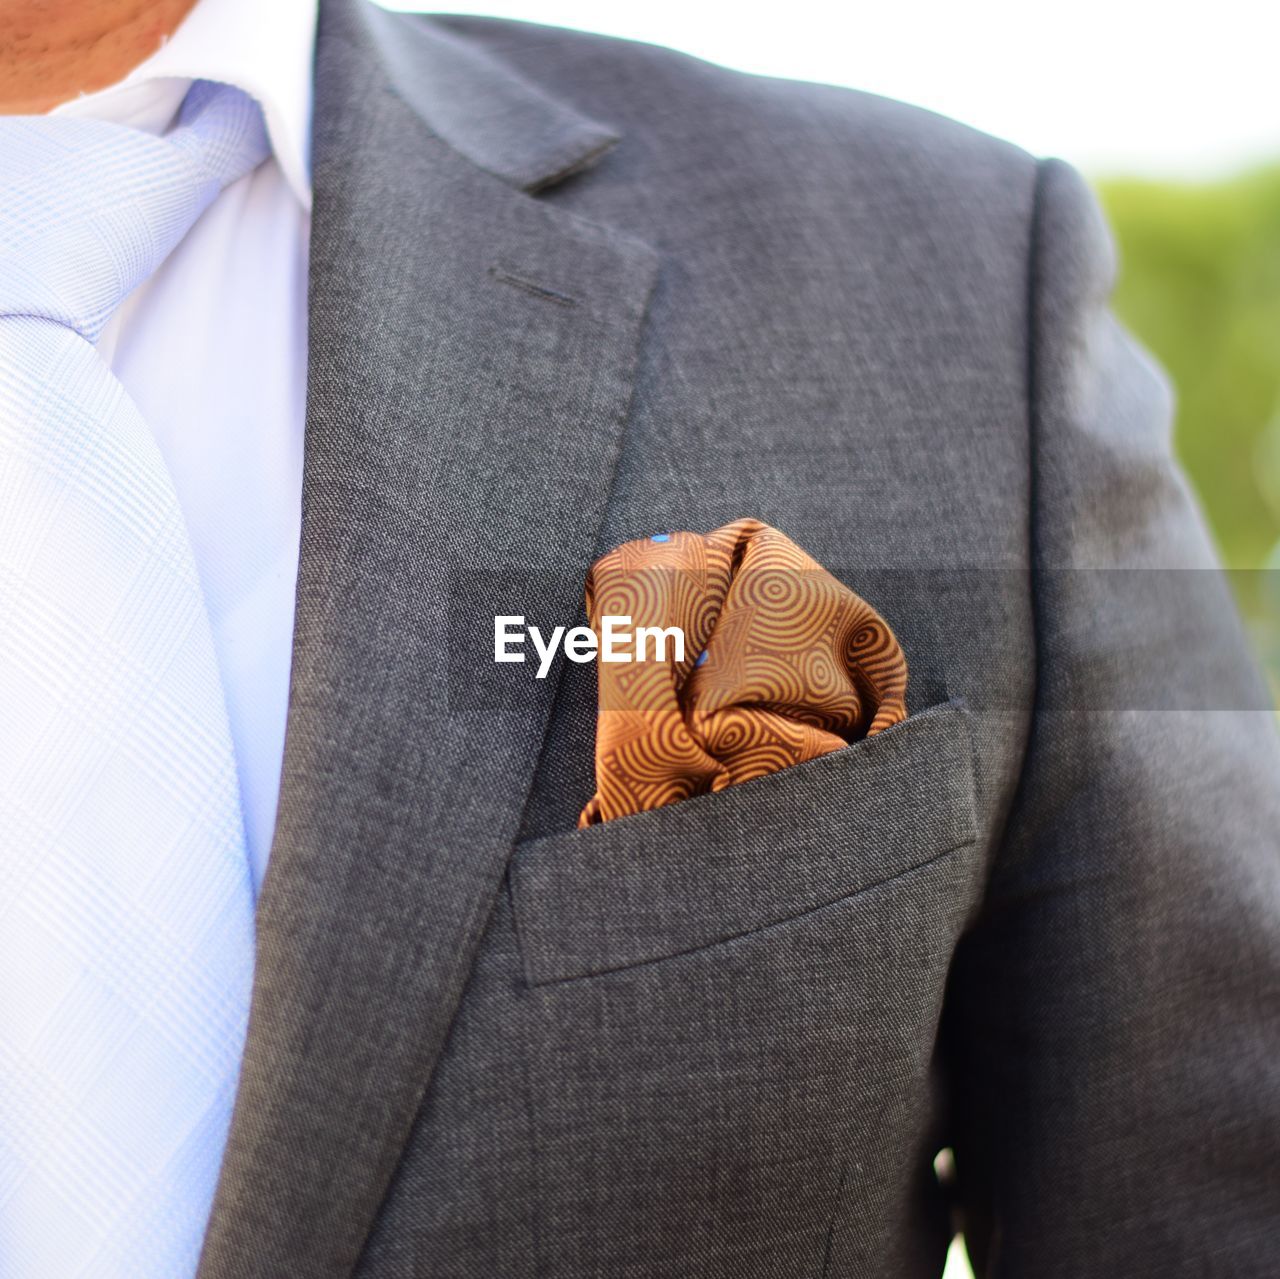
x: 53, y: 50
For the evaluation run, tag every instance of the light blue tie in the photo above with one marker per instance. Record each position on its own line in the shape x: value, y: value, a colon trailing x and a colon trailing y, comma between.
x: 126, y: 909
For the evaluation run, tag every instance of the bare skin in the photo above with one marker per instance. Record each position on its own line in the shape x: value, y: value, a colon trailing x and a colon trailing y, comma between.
x: 52, y: 50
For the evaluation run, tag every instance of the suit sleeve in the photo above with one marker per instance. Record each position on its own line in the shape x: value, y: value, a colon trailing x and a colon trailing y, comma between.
x: 1112, y: 1027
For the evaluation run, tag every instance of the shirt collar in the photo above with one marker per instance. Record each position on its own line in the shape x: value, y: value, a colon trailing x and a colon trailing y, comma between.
x: 264, y: 49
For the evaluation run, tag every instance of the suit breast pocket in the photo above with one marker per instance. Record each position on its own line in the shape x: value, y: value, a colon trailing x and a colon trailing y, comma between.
x: 717, y: 867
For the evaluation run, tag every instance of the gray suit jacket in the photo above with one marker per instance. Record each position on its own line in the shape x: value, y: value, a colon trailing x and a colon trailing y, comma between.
x: 566, y: 291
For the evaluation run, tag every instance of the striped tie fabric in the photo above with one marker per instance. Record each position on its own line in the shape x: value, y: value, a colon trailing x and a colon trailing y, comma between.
x: 782, y: 663
x: 126, y: 909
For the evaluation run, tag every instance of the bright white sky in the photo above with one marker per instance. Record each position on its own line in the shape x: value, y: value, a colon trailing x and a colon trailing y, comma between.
x: 1185, y: 90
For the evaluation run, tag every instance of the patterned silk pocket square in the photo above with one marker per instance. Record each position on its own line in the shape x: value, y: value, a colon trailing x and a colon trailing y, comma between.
x: 782, y: 663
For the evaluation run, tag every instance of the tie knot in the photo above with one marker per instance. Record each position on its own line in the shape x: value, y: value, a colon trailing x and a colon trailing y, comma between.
x: 89, y: 210
x: 221, y: 130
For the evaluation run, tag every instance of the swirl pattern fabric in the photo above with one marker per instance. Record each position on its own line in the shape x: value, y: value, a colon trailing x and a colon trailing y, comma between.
x: 782, y: 663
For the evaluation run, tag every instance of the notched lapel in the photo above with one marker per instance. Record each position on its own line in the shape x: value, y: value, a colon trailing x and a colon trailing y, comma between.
x: 471, y: 360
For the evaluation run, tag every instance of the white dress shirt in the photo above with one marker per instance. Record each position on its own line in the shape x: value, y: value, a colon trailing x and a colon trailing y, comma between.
x: 213, y: 351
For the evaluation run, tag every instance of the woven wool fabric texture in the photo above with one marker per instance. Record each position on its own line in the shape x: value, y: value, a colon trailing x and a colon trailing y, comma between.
x: 780, y: 663
x: 725, y: 1039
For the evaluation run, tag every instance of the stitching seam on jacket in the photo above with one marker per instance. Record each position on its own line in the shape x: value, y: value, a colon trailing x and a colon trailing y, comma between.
x: 756, y: 930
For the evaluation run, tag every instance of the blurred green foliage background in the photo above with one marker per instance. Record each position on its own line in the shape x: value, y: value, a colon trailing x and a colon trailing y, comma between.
x: 1200, y: 286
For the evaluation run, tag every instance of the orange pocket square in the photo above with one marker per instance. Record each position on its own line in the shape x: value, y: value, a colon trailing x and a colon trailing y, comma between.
x: 782, y: 663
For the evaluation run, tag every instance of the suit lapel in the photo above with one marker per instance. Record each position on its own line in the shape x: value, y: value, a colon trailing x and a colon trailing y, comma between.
x: 471, y: 359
